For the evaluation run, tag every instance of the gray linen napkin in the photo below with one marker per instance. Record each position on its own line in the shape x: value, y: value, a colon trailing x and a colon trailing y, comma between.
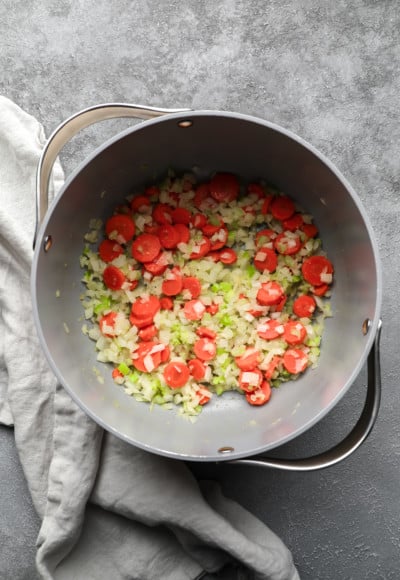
x: 108, y: 510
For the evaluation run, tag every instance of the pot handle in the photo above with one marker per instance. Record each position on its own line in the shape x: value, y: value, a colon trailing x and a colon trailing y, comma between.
x: 69, y: 128
x: 352, y: 441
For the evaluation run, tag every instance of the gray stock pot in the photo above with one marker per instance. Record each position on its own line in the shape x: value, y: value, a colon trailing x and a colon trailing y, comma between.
x: 208, y: 141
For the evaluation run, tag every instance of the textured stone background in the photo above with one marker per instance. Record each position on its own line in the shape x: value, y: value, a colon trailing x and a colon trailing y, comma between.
x: 328, y: 71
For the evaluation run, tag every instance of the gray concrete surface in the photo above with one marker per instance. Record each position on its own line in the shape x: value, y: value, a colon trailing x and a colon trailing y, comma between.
x: 328, y: 71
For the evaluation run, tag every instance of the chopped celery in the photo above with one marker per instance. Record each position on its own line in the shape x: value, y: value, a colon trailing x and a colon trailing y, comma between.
x: 124, y: 369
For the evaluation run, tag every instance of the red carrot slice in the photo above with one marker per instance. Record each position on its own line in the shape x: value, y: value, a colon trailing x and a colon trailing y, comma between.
x: 224, y: 187
x: 270, y: 329
x: 181, y: 215
x: 295, y: 332
x: 265, y: 259
x: 140, y: 204
x: 249, y: 360
x: 194, y: 310
x: 109, y: 250
x: 183, y: 232
x: 166, y: 303
x: 293, y: 223
x: 310, y: 230
x: 272, y: 366
x: 147, y: 356
x: 282, y: 207
x: 265, y: 208
x: 148, y: 332
x: 146, y: 248
x: 295, y: 360
x: 205, y: 349
x: 193, y: 285
x: 228, y: 256
x: 113, y: 277
x: 162, y: 214
x: 205, y: 332
x: 317, y: 270
x: 250, y: 380
x: 158, y: 266
x: 169, y: 236
x: 173, y: 283
x: 176, y: 374
x: 270, y: 293
x: 146, y: 306
x: 201, y: 249
x: 197, y: 369
x: 304, y: 306
x: 261, y: 395
x: 106, y: 324
x: 120, y: 227
x: 287, y: 244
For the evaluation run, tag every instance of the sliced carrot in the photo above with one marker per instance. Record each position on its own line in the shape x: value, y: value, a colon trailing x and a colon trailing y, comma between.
x: 162, y: 214
x: 116, y: 374
x: 310, y: 230
x: 194, y: 310
x: 287, y: 245
x: 212, y: 308
x: 211, y: 229
x: 249, y: 360
x: 270, y: 329
x: 295, y: 360
x: 280, y: 305
x: 266, y: 204
x: 272, y: 366
x: 140, y: 203
x: 293, y: 223
x: 201, y: 249
x: 169, y: 236
x: 158, y: 266
x: 146, y: 248
x: 113, y: 277
x: 148, y: 332
x: 304, y: 306
x: 193, y: 285
x: 106, y: 324
x: 282, y: 207
x: 261, y: 395
x: 202, y: 197
x: 120, y: 227
x: 147, y: 356
x: 199, y: 220
x: 205, y: 395
x: 317, y: 270
x: 151, y: 228
x: 197, y: 369
x: 250, y: 380
x: 320, y: 290
x: 219, y: 239
x: 166, y: 303
x: 176, y: 374
x: 263, y: 236
x: 224, y: 187
x: 140, y: 322
x: 214, y: 256
x: 205, y: 332
x: 172, y: 283
x: 181, y: 215
x: 183, y: 232
x: 205, y: 349
x: 270, y: 293
x: 109, y: 250
x: 265, y: 259
x: 146, y: 306
x: 165, y: 354
x: 228, y: 256
x: 294, y: 332
x: 133, y: 284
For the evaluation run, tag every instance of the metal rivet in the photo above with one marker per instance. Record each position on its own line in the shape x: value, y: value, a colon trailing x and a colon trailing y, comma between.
x: 366, y: 326
x: 226, y: 449
x: 185, y: 124
x: 48, y: 240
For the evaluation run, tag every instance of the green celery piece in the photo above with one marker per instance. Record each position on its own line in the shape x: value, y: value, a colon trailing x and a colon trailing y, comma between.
x: 124, y: 369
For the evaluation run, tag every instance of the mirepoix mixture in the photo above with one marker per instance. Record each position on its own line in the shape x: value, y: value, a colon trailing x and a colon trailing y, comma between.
x: 192, y: 290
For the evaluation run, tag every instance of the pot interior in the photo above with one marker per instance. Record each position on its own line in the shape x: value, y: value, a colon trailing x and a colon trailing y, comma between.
x: 255, y: 150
